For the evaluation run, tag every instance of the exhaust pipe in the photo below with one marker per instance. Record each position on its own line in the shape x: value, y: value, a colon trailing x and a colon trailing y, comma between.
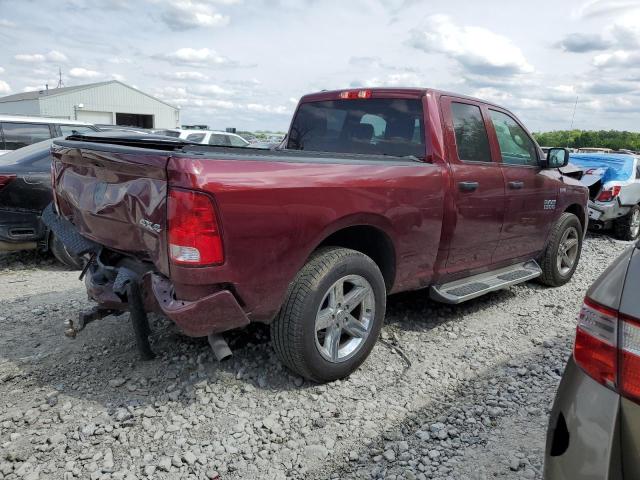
x: 219, y: 346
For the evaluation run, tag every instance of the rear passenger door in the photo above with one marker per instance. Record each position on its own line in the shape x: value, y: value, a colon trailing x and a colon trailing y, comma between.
x: 530, y: 194
x: 477, y: 189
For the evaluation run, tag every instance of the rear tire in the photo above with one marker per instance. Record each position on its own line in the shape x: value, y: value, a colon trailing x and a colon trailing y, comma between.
x: 332, y: 315
x: 63, y: 256
x: 628, y: 227
x: 562, y: 253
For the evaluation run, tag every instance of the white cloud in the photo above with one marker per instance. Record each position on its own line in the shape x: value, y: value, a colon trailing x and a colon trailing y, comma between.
x: 119, y: 60
x: 193, y: 76
x: 56, y: 56
x: 52, y: 56
x: 196, y: 57
x: 598, y: 8
x: 407, y: 79
x: 83, y: 73
x: 211, y: 89
x: 262, y: 108
x: 30, y: 58
x: 118, y: 77
x: 183, y: 15
x: 1, y: 70
x: 5, y: 89
x: 476, y: 49
x: 618, y: 58
x: 4, y: 23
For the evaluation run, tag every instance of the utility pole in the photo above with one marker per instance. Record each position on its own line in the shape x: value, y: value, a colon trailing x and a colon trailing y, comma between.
x: 574, y: 112
x: 60, y: 84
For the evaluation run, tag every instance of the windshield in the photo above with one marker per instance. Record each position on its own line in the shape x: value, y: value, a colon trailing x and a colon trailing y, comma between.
x: 384, y: 126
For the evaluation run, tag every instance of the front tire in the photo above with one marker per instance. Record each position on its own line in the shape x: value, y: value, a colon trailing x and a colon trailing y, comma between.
x: 332, y: 315
x: 562, y: 253
x: 628, y: 227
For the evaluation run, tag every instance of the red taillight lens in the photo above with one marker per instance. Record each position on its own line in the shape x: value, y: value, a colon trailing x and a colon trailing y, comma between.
x: 352, y: 94
x: 193, y: 230
x: 609, y: 194
x: 6, y: 179
x: 607, y: 348
x: 596, y: 338
x: 629, y: 381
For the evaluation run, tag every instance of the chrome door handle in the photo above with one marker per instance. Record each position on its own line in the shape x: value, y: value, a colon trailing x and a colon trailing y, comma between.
x: 468, y: 186
x: 516, y: 185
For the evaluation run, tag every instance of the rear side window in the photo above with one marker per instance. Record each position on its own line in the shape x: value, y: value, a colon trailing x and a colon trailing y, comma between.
x: 196, y: 137
x: 472, y: 141
x: 218, y: 139
x: 382, y: 126
x: 18, y: 135
x: 237, y: 141
x: 515, y: 145
x: 67, y: 130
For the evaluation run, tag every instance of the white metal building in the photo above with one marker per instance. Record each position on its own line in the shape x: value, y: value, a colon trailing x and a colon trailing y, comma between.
x: 110, y: 102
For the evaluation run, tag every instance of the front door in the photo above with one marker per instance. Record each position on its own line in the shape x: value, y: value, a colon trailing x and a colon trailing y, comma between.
x: 530, y: 194
x: 478, y: 187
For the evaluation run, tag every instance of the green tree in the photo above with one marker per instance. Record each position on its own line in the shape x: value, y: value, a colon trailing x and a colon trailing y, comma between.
x: 614, y: 139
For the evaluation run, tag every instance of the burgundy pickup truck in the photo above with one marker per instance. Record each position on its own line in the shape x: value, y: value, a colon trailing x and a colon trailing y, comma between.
x: 373, y: 192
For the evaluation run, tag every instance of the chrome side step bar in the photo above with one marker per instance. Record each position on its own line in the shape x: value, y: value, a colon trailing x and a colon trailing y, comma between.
x: 471, y: 287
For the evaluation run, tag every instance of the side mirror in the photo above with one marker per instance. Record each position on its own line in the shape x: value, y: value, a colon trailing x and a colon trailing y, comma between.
x: 556, y: 158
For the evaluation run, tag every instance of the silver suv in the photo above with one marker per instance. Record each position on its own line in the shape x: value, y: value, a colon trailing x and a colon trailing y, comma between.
x: 594, y: 428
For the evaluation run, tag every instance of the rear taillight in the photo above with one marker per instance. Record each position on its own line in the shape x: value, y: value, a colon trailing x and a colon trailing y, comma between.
x: 353, y: 94
x: 608, y: 194
x: 629, y: 381
x: 193, y: 230
x: 596, y: 339
x: 6, y: 179
x: 607, y: 348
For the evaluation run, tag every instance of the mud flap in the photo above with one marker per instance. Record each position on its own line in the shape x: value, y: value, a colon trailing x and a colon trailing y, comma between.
x: 127, y: 285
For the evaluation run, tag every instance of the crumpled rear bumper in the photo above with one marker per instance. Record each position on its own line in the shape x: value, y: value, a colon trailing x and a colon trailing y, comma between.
x: 605, y: 211
x: 214, y: 313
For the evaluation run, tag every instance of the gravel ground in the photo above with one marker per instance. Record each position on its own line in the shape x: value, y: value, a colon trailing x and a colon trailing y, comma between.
x: 458, y: 392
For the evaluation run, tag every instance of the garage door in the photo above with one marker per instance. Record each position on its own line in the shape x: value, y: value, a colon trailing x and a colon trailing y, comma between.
x: 95, y: 117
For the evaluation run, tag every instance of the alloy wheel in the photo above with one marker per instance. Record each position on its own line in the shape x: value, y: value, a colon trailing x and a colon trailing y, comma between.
x: 345, y: 318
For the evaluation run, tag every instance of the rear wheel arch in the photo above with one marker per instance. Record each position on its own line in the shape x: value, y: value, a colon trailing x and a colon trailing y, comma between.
x: 370, y: 240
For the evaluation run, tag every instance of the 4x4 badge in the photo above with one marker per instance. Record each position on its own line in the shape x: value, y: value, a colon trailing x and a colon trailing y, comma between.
x: 154, y: 227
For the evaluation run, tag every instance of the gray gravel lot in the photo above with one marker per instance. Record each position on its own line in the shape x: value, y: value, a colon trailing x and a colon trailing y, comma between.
x: 458, y: 392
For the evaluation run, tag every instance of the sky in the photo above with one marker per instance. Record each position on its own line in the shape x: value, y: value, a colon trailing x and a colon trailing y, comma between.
x: 245, y: 63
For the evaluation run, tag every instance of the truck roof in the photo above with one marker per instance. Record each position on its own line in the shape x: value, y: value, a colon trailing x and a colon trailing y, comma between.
x: 382, y: 92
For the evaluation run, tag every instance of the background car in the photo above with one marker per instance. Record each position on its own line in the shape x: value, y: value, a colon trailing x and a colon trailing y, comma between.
x: 212, y: 137
x: 594, y: 427
x: 25, y: 191
x: 613, y: 180
x: 18, y: 131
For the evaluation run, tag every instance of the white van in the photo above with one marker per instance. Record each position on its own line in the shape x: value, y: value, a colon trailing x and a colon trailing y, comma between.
x: 17, y: 131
